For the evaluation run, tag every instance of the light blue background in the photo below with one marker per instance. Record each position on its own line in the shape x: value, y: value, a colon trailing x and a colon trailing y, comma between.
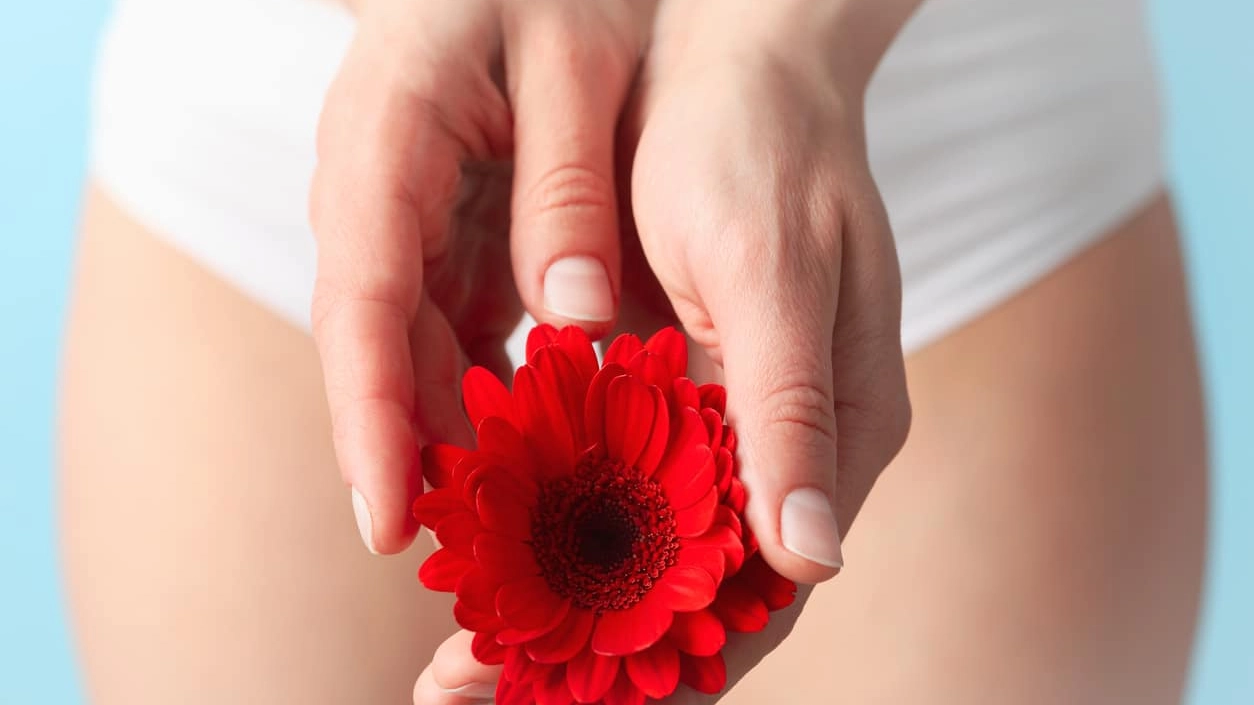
x: 1207, y: 50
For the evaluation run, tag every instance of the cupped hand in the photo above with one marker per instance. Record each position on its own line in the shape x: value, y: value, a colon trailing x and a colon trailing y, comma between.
x: 434, y: 107
x: 755, y: 224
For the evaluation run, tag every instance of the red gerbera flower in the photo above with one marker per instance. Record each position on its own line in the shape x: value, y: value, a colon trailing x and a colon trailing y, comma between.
x: 595, y: 539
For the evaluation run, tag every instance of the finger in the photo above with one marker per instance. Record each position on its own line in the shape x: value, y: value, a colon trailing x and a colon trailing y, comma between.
x: 438, y: 373
x: 454, y: 672
x: 872, y: 403
x: 387, y: 174
x: 568, y: 83
x: 426, y: 692
x: 776, y: 346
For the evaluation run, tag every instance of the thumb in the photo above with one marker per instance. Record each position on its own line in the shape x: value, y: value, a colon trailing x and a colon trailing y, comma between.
x: 567, y: 92
x: 777, y: 359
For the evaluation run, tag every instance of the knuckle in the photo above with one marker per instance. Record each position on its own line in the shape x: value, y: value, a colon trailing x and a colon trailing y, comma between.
x: 878, y: 426
x: 566, y: 186
x: 337, y: 299
x: 900, y: 421
x: 802, y: 407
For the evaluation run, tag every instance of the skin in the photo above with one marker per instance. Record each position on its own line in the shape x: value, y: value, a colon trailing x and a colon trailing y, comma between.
x: 211, y: 557
x: 420, y: 139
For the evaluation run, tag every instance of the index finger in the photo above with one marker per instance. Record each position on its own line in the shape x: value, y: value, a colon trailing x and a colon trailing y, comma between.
x: 388, y: 171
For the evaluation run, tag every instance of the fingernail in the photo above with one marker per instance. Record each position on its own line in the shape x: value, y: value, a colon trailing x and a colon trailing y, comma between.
x: 578, y: 288
x: 807, y: 527
x: 486, y: 691
x: 365, y: 524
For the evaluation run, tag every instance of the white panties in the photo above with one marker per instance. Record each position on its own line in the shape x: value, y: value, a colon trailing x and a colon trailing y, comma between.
x: 1005, y: 136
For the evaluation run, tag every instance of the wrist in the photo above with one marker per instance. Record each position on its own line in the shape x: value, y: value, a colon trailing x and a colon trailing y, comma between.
x: 840, y: 40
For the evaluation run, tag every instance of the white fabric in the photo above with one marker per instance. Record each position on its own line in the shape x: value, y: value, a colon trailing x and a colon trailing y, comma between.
x: 1005, y: 136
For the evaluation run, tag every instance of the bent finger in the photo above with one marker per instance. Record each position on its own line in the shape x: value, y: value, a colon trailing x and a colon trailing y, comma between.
x: 454, y: 675
x: 387, y: 173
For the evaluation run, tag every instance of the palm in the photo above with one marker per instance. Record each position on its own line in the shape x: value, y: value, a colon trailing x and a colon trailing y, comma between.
x: 472, y: 282
x: 475, y: 307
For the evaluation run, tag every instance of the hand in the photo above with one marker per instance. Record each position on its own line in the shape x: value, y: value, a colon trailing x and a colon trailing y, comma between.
x: 433, y: 100
x: 766, y: 239
x: 758, y: 216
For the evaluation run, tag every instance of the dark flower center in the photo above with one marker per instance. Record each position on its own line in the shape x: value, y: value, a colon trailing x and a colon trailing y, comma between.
x: 606, y: 537
x: 603, y: 535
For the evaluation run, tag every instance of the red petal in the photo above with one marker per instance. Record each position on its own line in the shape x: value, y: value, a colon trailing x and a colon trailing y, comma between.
x: 740, y: 609
x: 714, y: 396
x: 457, y: 532
x: 544, y: 423
x: 503, y: 441
x: 689, y: 482
x: 726, y: 516
x: 485, y: 396
x: 594, y: 405
x: 590, y: 675
x: 509, y: 636
x: 521, y: 669
x: 685, y: 394
x: 651, y: 370
x: 624, y: 692
x: 696, y: 520
x: 529, y: 605
x: 439, y: 460
x: 553, y: 689
x: 543, y: 335
x: 578, y: 347
x: 698, y: 633
x: 443, y: 569
x: 704, y: 674
x: 684, y: 588
x: 503, y: 510
x: 775, y: 590
x: 503, y: 557
x: 511, y: 693
x: 477, y: 589
x: 480, y: 472
x: 562, y: 376
x: 431, y: 507
x: 736, y: 495
x: 671, y: 347
x: 486, y: 650
x: 473, y: 620
x: 655, y: 670
x: 486, y: 468
x: 625, y: 632
x: 656, y: 445
x: 725, y: 540
x: 629, y: 418
x: 723, y: 470
x: 687, y: 432
x: 711, y: 559
x: 567, y: 639
x: 622, y: 350
x: 713, y: 426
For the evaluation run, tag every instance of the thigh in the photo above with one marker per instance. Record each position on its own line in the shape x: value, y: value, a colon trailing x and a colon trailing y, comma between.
x: 1040, y: 539
x: 209, y: 545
